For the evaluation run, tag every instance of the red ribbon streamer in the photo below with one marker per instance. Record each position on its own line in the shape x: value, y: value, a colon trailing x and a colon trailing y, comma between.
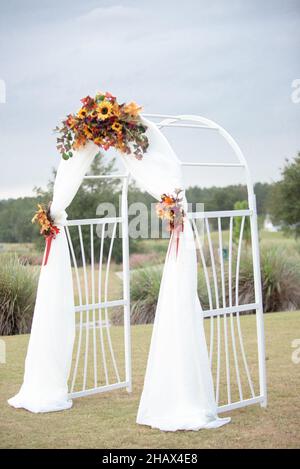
x: 176, y: 237
x: 48, y: 240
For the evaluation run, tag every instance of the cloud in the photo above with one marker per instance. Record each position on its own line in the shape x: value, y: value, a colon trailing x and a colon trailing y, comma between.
x: 230, y: 62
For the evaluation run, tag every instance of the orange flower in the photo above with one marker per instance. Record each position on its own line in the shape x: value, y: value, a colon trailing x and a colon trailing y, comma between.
x: 79, y: 142
x: 98, y: 141
x: 121, y: 146
x: 87, y: 131
x: 168, y: 200
x: 132, y: 108
x: 116, y: 110
x: 71, y: 121
x: 43, y: 217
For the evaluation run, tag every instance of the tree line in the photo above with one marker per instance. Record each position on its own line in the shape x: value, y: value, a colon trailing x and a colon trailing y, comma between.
x: 281, y: 200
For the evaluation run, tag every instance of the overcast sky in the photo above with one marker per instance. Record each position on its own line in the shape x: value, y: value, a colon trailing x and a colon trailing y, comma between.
x: 231, y: 61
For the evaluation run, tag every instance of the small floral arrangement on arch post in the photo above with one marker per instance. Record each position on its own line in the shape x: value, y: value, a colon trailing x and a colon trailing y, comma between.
x: 170, y: 208
x: 105, y: 122
x: 47, y: 227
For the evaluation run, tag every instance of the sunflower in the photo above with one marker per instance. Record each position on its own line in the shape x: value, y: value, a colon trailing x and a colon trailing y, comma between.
x: 82, y: 113
x: 117, y: 126
x: 104, y: 110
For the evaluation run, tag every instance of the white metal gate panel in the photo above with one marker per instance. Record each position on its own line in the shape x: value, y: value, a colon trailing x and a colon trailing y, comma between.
x: 97, y: 367
x: 233, y: 373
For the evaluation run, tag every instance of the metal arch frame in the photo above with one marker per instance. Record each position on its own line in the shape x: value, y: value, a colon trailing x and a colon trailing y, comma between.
x: 207, y: 124
x: 197, y: 122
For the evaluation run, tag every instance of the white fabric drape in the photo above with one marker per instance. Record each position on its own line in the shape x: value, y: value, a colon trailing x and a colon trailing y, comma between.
x: 49, y: 354
x: 178, y: 388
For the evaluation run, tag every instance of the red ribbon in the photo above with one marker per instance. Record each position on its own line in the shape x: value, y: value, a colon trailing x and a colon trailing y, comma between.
x: 48, y: 240
x: 176, y: 237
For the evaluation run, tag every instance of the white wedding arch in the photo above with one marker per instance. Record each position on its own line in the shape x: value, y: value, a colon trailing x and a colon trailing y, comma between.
x: 97, y: 367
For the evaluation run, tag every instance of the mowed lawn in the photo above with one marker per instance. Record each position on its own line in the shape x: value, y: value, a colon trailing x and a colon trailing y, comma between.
x: 108, y: 420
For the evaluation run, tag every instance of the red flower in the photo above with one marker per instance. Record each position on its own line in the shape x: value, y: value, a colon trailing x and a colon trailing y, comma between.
x: 85, y: 101
x: 109, y: 96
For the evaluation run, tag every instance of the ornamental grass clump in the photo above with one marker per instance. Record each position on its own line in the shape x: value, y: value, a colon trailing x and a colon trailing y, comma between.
x: 145, y: 285
x: 280, y: 273
x: 18, y: 284
x: 144, y: 289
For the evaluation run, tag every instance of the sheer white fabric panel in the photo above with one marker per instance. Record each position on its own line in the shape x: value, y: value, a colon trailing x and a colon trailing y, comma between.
x: 49, y: 354
x: 178, y: 388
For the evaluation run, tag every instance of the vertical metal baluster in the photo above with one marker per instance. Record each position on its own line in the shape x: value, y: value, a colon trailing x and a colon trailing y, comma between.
x: 105, y: 299
x: 238, y: 314
x: 93, y: 302
x: 126, y: 284
x: 258, y: 299
x: 100, y: 300
x: 213, y: 265
x: 224, y: 316
x: 208, y: 290
x: 87, y: 311
x: 231, y: 314
x: 80, y: 304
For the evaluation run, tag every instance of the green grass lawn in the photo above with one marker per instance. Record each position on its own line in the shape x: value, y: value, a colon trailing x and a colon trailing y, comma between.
x: 108, y: 420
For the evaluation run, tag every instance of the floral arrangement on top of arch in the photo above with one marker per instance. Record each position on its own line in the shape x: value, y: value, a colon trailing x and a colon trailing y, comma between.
x: 105, y: 122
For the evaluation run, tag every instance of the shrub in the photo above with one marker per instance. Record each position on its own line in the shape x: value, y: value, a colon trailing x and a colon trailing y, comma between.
x: 145, y: 284
x: 280, y: 272
x: 18, y: 284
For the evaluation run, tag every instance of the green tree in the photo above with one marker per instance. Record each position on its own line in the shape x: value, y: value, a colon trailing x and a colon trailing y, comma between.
x: 241, y: 205
x: 262, y: 191
x: 285, y: 198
